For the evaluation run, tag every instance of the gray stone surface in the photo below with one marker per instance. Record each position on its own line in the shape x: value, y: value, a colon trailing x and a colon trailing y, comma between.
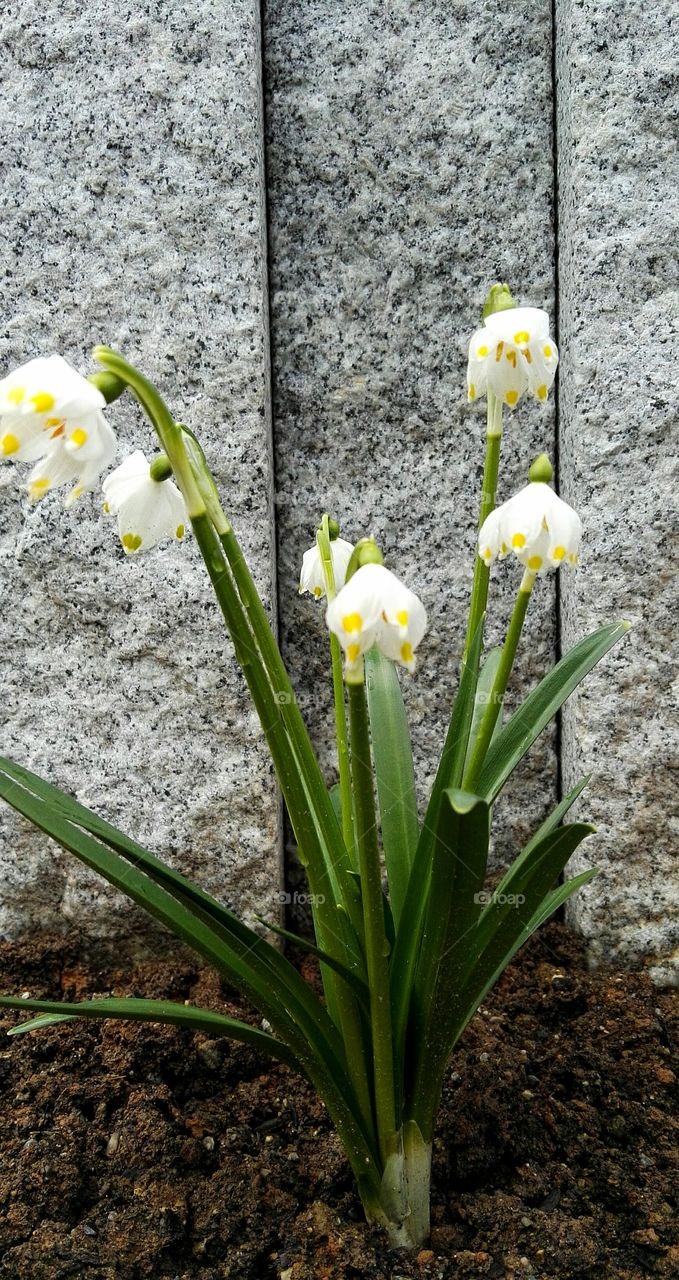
x: 410, y: 165
x: 132, y: 208
x: 619, y: 326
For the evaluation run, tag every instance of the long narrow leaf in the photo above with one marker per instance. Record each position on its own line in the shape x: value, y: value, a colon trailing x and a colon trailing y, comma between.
x: 135, y: 1010
x: 551, y: 903
x: 507, y: 916
x: 521, y: 730
x: 305, y: 944
x: 449, y: 773
x: 458, y: 873
x: 294, y: 1012
x: 484, y: 687
x: 394, y: 774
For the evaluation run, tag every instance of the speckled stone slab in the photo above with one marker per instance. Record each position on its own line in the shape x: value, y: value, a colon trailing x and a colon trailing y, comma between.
x: 132, y: 208
x: 410, y: 166
x: 619, y: 327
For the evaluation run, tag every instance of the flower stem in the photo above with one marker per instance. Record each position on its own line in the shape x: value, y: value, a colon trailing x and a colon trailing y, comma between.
x: 497, y: 693
x: 376, y: 945
x: 323, y: 540
x: 491, y: 467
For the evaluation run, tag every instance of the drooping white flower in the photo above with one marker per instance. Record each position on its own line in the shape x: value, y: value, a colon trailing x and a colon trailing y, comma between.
x: 374, y: 607
x: 148, y: 510
x: 537, y: 526
x: 79, y: 451
x: 39, y: 403
x: 512, y: 353
x: 311, y: 577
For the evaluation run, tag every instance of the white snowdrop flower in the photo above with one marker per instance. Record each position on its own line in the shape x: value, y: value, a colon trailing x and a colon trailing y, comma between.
x: 79, y: 451
x: 148, y: 510
x: 311, y: 577
x: 39, y: 403
x: 537, y: 526
x: 374, y: 607
x: 512, y: 353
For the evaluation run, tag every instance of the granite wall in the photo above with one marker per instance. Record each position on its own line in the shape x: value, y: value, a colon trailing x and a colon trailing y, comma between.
x: 133, y: 214
x: 414, y: 153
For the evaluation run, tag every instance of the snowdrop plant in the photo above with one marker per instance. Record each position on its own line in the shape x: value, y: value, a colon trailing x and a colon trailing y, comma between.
x: 408, y: 938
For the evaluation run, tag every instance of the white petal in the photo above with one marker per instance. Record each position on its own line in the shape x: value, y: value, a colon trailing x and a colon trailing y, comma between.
x: 542, y: 357
x: 341, y: 552
x: 55, y: 469
x: 490, y: 539
x: 311, y: 574
x: 507, y: 372
x: 564, y: 532
x: 151, y: 511
x: 521, y: 518
x: 48, y: 387
x: 519, y: 325
x: 115, y: 487
x: 23, y: 439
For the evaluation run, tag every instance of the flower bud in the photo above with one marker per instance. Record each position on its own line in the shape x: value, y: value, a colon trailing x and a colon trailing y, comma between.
x: 499, y: 299
x: 541, y: 471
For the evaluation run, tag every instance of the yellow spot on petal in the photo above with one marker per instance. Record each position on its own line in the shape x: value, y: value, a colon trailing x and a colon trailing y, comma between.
x: 16, y: 395
x: 37, y: 488
x: 542, y: 392
x: 519, y: 540
x: 504, y: 548
x: 558, y: 553
x: 42, y: 402
x: 53, y: 422
x: 472, y: 391
x: 353, y: 651
x: 106, y: 508
x: 407, y: 652
x: 512, y: 397
x: 482, y: 351
x: 487, y: 553
x: 548, y: 351
x: 78, y: 437
x: 179, y: 532
x: 10, y: 444
x: 522, y: 336
x: 402, y: 617
x: 318, y: 592
x: 352, y: 622
x: 131, y: 541
x: 535, y: 563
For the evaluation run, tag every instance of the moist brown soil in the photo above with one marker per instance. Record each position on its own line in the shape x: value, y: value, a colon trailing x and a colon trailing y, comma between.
x: 133, y: 1151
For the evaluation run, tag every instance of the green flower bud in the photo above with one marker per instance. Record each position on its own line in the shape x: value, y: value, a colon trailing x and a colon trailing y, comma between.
x: 541, y: 471
x: 110, y: 385
x: 366, y: 551
x: 333, y: 529
x: 161, y: 468
x: 499, y: 299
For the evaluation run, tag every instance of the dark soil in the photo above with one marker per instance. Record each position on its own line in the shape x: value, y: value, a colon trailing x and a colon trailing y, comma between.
x: 132, y: 1151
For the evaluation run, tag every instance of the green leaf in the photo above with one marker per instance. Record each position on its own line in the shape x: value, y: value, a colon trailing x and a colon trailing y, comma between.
x: 484, y: 686
x: 449, y: 773
x: 133, y: 1010
x: 254, y: 967
x: 458, y: 872
x: 549, y: 905
x: 549, y: 825
x: 305, y: 944
x: 521, y: 730
x: 394, y: 773
x: 508, y: 914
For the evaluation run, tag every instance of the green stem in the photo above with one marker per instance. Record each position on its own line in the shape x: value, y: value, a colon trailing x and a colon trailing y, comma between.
x: 479, y: 596
x: 376, y: 946
x: 498, y: 690
x: 323, y: 540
